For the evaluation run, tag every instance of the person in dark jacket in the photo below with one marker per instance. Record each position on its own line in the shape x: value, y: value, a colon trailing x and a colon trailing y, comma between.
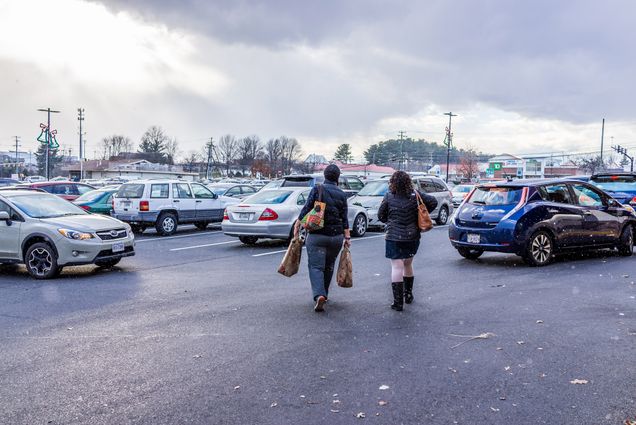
x: 399, y: 211
x: 323, y: 246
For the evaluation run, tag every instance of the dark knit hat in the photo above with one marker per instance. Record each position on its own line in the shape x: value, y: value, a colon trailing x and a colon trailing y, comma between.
x: 332, y: 173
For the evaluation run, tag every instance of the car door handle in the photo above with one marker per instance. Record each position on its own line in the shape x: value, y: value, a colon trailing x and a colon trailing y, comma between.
x: 587, y: 212
x: 553, y: 211
x: 175, y: 200
x: 198, y: 201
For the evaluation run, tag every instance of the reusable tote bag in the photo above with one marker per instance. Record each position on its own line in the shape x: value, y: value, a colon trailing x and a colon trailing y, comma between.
x: 344, y: 277
x: 291, y: 261
x: 424, y: 221
x: 315, y: 219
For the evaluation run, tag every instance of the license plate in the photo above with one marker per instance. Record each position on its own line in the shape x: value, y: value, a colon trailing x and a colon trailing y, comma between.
x: 243, y: 216
x: 118, y: 247
x: 125, y: 203
x: 473, y: 238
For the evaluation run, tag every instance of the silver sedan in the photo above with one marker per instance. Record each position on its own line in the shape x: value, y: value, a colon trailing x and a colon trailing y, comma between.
x: 271, y: 214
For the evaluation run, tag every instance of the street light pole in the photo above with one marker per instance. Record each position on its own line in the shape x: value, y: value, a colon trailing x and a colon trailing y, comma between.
x: 449, y: 139
x: 47, y: 138
x: 80, y: 118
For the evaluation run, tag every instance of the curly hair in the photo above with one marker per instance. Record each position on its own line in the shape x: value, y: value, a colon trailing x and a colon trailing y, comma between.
x: 400, y: 184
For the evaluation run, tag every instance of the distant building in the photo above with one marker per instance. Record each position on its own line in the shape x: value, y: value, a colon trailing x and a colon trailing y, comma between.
x: 530, y: 166
x: 133, y: 170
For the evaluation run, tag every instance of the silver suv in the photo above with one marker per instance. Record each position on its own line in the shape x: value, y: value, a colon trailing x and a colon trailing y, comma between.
x: 47, y: 233
x: 436, y: 187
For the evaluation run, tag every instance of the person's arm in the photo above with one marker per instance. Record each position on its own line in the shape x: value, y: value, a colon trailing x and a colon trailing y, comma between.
x: 344, y: 215
x: 383, y: 211
x: 430, y: 201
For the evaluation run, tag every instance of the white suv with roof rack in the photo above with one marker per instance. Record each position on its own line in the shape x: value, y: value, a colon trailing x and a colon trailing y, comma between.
x: 165, y: 204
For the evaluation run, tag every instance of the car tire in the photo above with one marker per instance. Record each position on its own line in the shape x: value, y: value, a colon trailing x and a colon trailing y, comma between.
x: 41, y: 261
x: 166, y: 224
x: 359, y: 226
x: 626, y: 244
x: 248, y: 240
x: 201, y: 225
x: 442, y: 216
x: 107, y: 264
x: 539, y: 250
x: 470, y: 253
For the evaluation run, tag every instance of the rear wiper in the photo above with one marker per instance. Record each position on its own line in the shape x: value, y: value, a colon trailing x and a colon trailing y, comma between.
x: 478, y: 202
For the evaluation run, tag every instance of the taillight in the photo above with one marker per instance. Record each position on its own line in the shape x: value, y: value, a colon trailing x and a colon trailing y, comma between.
x: 85, y: 207
x: 633, y: 201
x: 268, y: 214
x: 144, y: 206
x: 225, y: 216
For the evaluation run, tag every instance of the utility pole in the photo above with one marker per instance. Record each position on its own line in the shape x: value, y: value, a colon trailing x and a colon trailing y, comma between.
x: 401, y: 134
x: 207, y: 169
x: 17, y: 145
x: 80, y: 118
x: 623, y: 151
x: 602, y: 136
x: 48, y: 111
x: 449, y: 141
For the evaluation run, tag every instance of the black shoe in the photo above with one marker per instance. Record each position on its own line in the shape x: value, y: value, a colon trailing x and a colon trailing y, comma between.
x: 398, y: 296
x: 408, y: 289
x: 320, y: 304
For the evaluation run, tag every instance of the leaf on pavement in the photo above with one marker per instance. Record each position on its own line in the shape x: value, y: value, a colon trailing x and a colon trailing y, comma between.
x: 274, y: 404
x: 382, y: 403
x: 578, y: 381
x: 361, y: 415
x: 484, y: 335
x: 237, y: 387
x: 384, y: 387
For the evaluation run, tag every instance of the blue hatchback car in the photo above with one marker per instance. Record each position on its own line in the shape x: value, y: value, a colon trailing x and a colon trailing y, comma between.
x: 622, y: 186
x: 537, y: 219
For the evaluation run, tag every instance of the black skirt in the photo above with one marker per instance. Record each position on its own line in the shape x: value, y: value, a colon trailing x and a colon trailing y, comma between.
x: 400, y: 250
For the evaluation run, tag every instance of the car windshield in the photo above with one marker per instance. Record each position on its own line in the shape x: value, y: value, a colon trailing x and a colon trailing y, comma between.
x: 615, y: 183
x: 91, y: 196
x: 495, y: 196
x: 45, y: 206
x: 374, y: 189
x: 134, y: 190
x: 462, y: 188
x: 269, y: 197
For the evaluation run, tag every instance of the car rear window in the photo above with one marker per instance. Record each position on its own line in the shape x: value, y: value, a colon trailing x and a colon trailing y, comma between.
x: 615, y: 183
x: 133, y: 190
x: 495, y: 196
x: 297, y: 183
x: 269, y: 197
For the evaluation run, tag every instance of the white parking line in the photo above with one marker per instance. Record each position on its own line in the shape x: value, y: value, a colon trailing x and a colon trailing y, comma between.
x: 204, y: 245
x: 284, y: 250
x: 165, y: 238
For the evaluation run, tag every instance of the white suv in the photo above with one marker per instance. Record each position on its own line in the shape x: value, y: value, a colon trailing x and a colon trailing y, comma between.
x: 165, y: 204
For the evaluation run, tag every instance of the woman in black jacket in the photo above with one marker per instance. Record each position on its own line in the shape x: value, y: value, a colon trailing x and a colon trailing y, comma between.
x: 399, y: 211
x: 323, y: 246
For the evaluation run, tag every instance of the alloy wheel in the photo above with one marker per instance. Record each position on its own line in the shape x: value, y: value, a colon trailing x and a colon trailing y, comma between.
x: 361, y: 225
x: 541, y: 248
x: 168, y: 224
x: 40, y: 261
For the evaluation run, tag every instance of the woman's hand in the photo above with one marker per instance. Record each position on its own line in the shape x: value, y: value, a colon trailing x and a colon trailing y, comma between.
x: 296, y: 228
x: 347, y: 238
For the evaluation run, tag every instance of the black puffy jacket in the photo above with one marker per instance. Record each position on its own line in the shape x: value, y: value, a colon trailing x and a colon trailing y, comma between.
x: 337, y: 209
x: 400, y: 215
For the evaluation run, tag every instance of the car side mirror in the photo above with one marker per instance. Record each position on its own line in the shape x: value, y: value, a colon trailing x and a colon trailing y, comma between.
x: 215, y: 196
x: 4, y: 216
x: 614, y: 203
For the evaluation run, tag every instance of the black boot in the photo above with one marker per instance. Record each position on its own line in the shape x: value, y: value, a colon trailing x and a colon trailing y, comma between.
x: 398, y: 296
x: 408, y: 289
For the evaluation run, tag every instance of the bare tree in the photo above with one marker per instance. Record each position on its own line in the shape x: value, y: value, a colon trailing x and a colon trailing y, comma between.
x: 172, y: 150
x: 250, y: 148
x: 115, y: 145
x: 290, y: 152
x: 192, y: 161
x: 228, y: 150
x: 274, y: 152
x: 468, y: 165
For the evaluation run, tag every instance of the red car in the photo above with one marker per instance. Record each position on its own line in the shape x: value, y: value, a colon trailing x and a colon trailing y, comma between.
x: 66, y: 190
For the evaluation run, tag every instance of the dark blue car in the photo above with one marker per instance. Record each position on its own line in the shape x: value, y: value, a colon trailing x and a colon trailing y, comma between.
x: 537, y: 219
x: 621, y: 186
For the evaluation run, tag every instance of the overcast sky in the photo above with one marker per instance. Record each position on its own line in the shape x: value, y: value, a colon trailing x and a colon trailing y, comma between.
x: 523, y: 76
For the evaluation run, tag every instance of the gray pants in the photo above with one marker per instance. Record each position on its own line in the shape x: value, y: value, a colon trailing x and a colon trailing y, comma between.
x: 322, y: 252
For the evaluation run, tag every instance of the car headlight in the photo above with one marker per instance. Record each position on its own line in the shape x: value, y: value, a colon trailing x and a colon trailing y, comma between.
x: 75, y: 235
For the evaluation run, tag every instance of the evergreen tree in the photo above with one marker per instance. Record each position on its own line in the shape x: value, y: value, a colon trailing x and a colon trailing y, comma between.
x: 343, y: 153
x: 155, y: 143
x: 40, y: 156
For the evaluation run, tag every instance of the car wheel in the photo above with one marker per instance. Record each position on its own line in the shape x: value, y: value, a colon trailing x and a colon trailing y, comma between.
x: 626, y: 245
x: 41, y: 261
x: 166, y: 224
x: 106, y: 264
x: 540, y: 249
x: 442, y: 217
x: 248, y: 240
x: 201, y: 225
x: 470, y: 253
x: 359, y: 226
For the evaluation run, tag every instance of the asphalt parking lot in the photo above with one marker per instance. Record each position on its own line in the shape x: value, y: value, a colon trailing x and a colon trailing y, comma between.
x: 198, y: 328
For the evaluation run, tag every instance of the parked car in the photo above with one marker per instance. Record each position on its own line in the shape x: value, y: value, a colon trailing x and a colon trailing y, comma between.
x: 65, y: 190
x: 349, y: 184
x: 271, y: 214
x: 370, y: 198
x: 8, y: 182
x: 165, y: 204
x: 538, y: 219
x: 47, y: 233
x: 460, y: 192
x: 99, y: 201
x: 621, y: 186
x: 34, y: 179
x: 238, y: 191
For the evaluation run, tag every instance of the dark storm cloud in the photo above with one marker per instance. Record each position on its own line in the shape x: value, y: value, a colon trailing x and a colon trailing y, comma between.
x: 568, y: 60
